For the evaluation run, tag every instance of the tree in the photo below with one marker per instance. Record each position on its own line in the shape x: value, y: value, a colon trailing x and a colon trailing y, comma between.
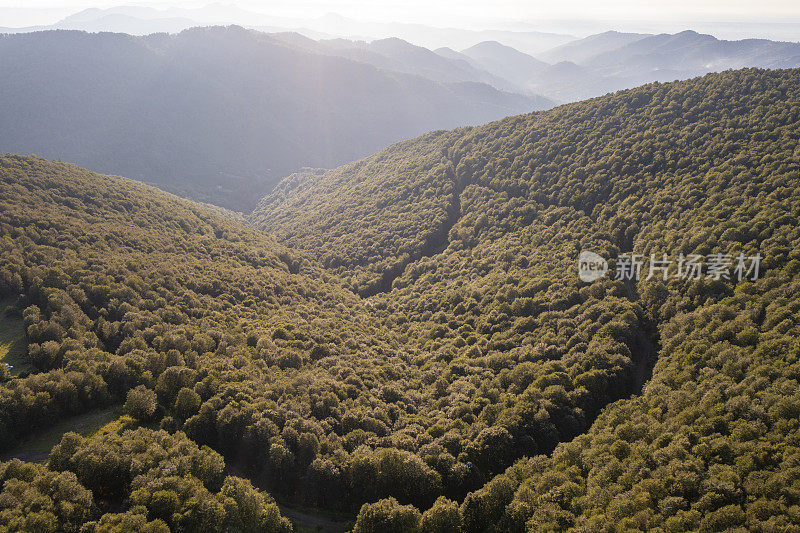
x: 141, y: 403
x: 187, y: 403
x: 387, y: 516
x: 443, y: 517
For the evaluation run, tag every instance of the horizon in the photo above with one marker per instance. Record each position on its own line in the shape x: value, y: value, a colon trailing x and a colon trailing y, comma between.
x: 773, y: 19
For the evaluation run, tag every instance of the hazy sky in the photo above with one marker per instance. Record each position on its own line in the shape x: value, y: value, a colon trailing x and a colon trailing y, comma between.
x: 452, y: 12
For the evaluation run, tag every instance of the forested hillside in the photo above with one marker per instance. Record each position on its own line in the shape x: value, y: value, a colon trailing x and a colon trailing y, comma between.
x: 195, y: 322
x: 416, y: 349
x: 490, y: 302
x: 218, y: 114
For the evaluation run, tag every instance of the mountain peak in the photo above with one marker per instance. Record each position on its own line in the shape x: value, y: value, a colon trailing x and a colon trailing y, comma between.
x: 490, y: 45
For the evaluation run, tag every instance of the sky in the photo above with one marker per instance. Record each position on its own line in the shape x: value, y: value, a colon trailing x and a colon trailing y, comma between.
x: 454, y: 12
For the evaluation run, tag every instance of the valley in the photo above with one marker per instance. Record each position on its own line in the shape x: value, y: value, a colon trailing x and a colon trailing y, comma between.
x: 404, y: 339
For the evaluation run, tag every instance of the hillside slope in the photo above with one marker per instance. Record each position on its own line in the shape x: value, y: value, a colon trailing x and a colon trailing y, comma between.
x: 218, y: 336
x: 216, y: 114
x: 132, y: 295
x: 491, y: 301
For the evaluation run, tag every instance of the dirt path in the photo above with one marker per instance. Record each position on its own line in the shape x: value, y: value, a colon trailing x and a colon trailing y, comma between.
x: 28, y: 457
x: 313, y: 522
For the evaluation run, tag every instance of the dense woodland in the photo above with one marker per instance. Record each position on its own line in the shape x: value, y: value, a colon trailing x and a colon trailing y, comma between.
x: 413, y: 345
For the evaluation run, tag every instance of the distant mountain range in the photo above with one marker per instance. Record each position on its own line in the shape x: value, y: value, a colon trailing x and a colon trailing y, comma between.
x: 583, y: 68
x: 583, y: 50
x: 221, y: 114
x: 140, y: 20
x: 398, y: 55
x: 612, y: 61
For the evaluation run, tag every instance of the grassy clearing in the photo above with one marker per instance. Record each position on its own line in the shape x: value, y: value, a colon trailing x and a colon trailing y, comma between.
x: 37, y: 447
x: 118, y: 425
x: 13, y: 345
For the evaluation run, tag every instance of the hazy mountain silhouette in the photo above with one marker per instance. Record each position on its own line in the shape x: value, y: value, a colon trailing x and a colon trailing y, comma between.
x: 582, y: 50
x: 399, y: 55
x: 217, y: 114
x: 692, y: 52
x: 613, y: 61
x: 506, y: 62
x: 142, y: 20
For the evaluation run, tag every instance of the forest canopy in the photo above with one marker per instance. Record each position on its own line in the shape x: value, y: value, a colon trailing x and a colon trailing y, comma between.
x: 405, y: 338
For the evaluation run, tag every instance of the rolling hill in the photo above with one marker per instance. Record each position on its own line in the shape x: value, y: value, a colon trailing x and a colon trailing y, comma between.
x: 123, y: 290
x: 690, y: 51
x: 613, y: 61
x: 144, y: 20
